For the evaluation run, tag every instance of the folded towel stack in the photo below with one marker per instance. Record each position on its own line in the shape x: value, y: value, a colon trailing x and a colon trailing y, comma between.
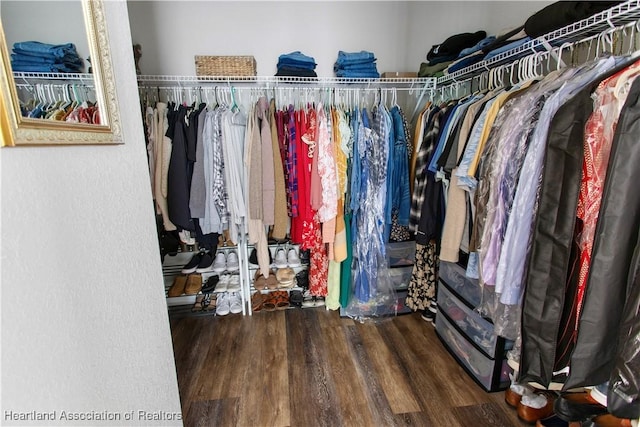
x: 356, y: 64
x: 33, y: 56
x: 296, y: 64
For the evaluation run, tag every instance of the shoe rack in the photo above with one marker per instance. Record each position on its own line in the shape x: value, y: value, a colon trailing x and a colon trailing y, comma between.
x: 173, y: 265
x: 274, y: 249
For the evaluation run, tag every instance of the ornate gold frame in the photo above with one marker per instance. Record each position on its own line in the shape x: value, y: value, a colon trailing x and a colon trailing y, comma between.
x: 17, y: 130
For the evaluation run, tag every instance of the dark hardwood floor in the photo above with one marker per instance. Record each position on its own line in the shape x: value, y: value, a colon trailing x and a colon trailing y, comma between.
x: 312, y: 368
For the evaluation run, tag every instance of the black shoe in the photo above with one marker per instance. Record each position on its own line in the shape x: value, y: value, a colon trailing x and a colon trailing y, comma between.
x: 206, y: 263
x: 433, y: 306
x: 253, y: 257
x: 210, y: 284
x: 305, y: 256
x: 295, y: 298
x: 302, y: 279
x: 577, y: 407
x: 428, y: 315
x: 552, y: 421
x: 273, y: 241
x: 193, y: 264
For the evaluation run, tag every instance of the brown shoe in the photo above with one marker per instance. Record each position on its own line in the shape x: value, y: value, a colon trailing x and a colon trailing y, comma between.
x: 194, y: 284
x: 531, y: 415
x: 257, y: 299
x: 512, y: 398
x: 259, y: 281
x: 209, y: 303
x: 199, y: 304
x: 610, y: 420
x: 177, y: 288
x: 272, y: 281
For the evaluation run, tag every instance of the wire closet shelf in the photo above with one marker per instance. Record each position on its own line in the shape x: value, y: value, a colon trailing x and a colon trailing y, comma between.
x: 622, y: 14
x: 400, y: 83
x: 46, y: 77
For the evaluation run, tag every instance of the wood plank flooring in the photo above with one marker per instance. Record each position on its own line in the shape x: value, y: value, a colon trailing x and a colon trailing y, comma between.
x: 312, y: 368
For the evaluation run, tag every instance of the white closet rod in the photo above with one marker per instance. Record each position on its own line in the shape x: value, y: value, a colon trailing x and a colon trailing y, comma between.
x: 279, y: 88
x: 288, y: 81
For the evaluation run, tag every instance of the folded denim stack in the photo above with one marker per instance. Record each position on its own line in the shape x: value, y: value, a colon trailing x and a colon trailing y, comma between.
x: 33, y: 56
x: 296, y: 64
x: 356, y: 64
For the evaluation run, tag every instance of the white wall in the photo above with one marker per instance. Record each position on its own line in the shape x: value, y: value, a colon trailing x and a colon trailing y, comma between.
x: 32, y: 20
x: 400, y: 33
x: 432, y: 22
x: 84, y: 318
x: 172, y: 32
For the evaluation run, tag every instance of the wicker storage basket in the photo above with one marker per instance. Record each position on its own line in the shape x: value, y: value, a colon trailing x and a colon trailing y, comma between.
x: 241, y: 66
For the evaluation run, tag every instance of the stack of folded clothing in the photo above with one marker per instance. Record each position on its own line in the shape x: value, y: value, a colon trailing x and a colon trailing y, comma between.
x: 40, y: 57
x: 296, y: 64
x: 470, y: 55
x: 357, y: 64
x: 442, y: 55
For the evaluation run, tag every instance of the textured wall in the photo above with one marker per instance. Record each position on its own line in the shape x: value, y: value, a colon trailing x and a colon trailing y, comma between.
x: 84, y: 319
x: 266, y: 30
x: 400, y: 33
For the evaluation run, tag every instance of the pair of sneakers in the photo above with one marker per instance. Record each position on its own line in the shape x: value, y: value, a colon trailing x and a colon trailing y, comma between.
x: 288, y: 259
x: 204, y: 262
x: 429, y: 314
x: 228, y: 283
x: 225, y: 262
x: 228, y: 302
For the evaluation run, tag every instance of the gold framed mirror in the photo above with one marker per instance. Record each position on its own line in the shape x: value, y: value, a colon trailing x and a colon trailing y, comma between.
x: 103, y: 126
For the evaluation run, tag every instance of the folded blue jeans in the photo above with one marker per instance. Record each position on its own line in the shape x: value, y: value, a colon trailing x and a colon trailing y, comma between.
x: 57, y: 51
x: 43, y: 68
x: 358, y: 74
x: 296, y: 57
x: 355, y: 61
x: 353, y: 56
x: 67, y: 60
x: 359, y: 67
x: 296, y: 64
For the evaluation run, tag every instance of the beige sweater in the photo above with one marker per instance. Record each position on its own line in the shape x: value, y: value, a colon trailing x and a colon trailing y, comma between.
x: 281, y: 219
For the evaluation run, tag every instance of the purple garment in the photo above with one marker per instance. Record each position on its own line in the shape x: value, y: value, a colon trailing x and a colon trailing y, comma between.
x: 291, y: 163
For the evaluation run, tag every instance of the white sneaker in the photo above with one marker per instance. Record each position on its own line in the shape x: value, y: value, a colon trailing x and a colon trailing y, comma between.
x: 234, y: 283
x: 235, y: 303
x: 281, y: 259
x: 293, y: 259
x: 223, y: 305
x: 223, y: 283
x: 232, y: 261
x: 220, y: 262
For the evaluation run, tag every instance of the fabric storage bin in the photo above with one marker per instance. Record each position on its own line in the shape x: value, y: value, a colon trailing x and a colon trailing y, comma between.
x: 400, y: 277
x: 401, y: 253
x: 474, y: 326
x: 490, y: 374
x: 453, y: 275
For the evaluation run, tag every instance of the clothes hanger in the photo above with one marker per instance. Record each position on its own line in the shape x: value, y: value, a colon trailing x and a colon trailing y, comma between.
x: 234, y: 105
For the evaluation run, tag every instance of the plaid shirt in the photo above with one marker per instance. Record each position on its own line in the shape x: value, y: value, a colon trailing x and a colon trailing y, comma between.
x: 422, y: 161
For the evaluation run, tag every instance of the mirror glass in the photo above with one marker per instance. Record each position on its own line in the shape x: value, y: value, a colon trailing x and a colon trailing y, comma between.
x: 48, y: 39
x: 57, y: 70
